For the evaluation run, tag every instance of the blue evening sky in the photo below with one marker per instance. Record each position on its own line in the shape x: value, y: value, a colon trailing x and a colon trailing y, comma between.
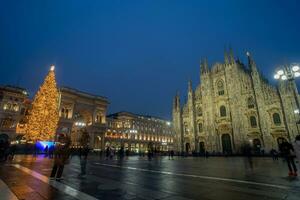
x: 139, y: 53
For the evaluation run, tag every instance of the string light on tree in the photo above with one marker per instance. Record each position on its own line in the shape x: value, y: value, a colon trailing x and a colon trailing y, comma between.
x: 43, y: 117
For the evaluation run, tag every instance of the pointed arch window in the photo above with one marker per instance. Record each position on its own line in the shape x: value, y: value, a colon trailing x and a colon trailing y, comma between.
x: 251, y: 102
x: 199, y: 111
x: 200, y: 127
x: 220, y: 87
x: 223, y: 111
x: 253, y: 122
x: 276, y: 119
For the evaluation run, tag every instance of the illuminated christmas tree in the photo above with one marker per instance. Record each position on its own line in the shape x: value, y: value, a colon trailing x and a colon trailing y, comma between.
x: 43, y: 117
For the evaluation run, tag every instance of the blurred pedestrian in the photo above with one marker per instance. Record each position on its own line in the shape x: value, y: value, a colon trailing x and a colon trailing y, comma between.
x: 286, y: 150
x: 6, y: 150
x: 274, y: 154
x: 107, y: 152
x: 1, y: 150
x: 46, y: 151
x: 51, y: 151
x: 172, y: 154
x: 297, y: 149
x: 83, y: 155
x: 61, y: 156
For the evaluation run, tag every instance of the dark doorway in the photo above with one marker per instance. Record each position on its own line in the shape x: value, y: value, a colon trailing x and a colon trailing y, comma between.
x: 201, y: 148
x: 256, y: 146
x: 226, y: 144
x: 187, y: 147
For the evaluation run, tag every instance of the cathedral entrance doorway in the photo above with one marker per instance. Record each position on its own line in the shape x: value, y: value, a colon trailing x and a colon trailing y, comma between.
x: 201, y: 148
x: 187, y: 147
x: 256, y: 146
x: 226, y: 144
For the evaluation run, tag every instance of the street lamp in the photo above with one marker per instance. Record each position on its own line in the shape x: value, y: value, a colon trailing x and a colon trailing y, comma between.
x: 289, y: 73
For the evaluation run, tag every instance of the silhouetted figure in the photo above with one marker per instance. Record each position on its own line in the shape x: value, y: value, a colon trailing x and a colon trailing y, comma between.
x: 46, y: 151
x: 206, y: 154
x: 83, y: 155
x: 286, y: 148
x: 35, y: 150
x: 297, y: 149
x: 51, y: 151
x: 172, y: 154
x: 274, y: 154
x: 107, y: 153
x: 121, y: 153
x: 61, y: 156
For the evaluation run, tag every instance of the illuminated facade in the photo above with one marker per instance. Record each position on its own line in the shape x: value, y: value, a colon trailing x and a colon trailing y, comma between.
x: 80, y: 110
x: 232, y: 106
x: 13, y: 106
x: 138, y: 132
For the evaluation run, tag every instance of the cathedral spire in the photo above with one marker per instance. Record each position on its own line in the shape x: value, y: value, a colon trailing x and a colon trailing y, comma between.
x: 226, y: 58
x: 176, y: 102
x: 231, y: 56
x: 190, y: 86
x: 251, y: 62
x: 203, y: 66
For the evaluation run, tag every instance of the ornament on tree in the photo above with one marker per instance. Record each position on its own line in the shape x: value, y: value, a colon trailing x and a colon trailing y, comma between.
x: 43, y: 117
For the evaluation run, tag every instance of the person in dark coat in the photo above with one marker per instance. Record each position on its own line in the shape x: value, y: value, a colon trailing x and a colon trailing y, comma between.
x: 83, y: 154
x: 61, y: 156
x: 286, y: 150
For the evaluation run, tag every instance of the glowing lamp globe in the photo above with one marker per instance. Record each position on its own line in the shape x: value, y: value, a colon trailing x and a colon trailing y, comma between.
x: 284, y: 77
x: 277, y: 76
x: 280, y: 72
x: 297, y: 74
x: 295, y: 68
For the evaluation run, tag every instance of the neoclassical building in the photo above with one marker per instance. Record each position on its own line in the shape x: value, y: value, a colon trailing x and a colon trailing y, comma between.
x: 80, y: 110
x: 138, y: 133
x: 14, y: 104
x: 233, y: 105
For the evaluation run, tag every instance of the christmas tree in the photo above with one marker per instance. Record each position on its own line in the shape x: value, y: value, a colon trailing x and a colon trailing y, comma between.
x: 43, y: 117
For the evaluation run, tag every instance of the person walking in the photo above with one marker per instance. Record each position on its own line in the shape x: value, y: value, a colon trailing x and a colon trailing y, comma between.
x: 286, y: 150
x: 107, y: 153
x: 61, y: 156
x: 83, y: 154
x: 172, y: 154
x: 46, y: 151
x: 297, y: 149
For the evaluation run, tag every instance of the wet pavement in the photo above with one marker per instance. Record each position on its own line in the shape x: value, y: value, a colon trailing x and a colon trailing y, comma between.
x: 137, y: 178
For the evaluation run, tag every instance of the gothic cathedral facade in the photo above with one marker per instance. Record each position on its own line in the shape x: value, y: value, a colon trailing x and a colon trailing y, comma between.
x: 232, y: 106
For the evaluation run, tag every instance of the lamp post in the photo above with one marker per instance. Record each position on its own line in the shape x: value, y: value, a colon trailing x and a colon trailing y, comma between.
x: 289, y: 73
